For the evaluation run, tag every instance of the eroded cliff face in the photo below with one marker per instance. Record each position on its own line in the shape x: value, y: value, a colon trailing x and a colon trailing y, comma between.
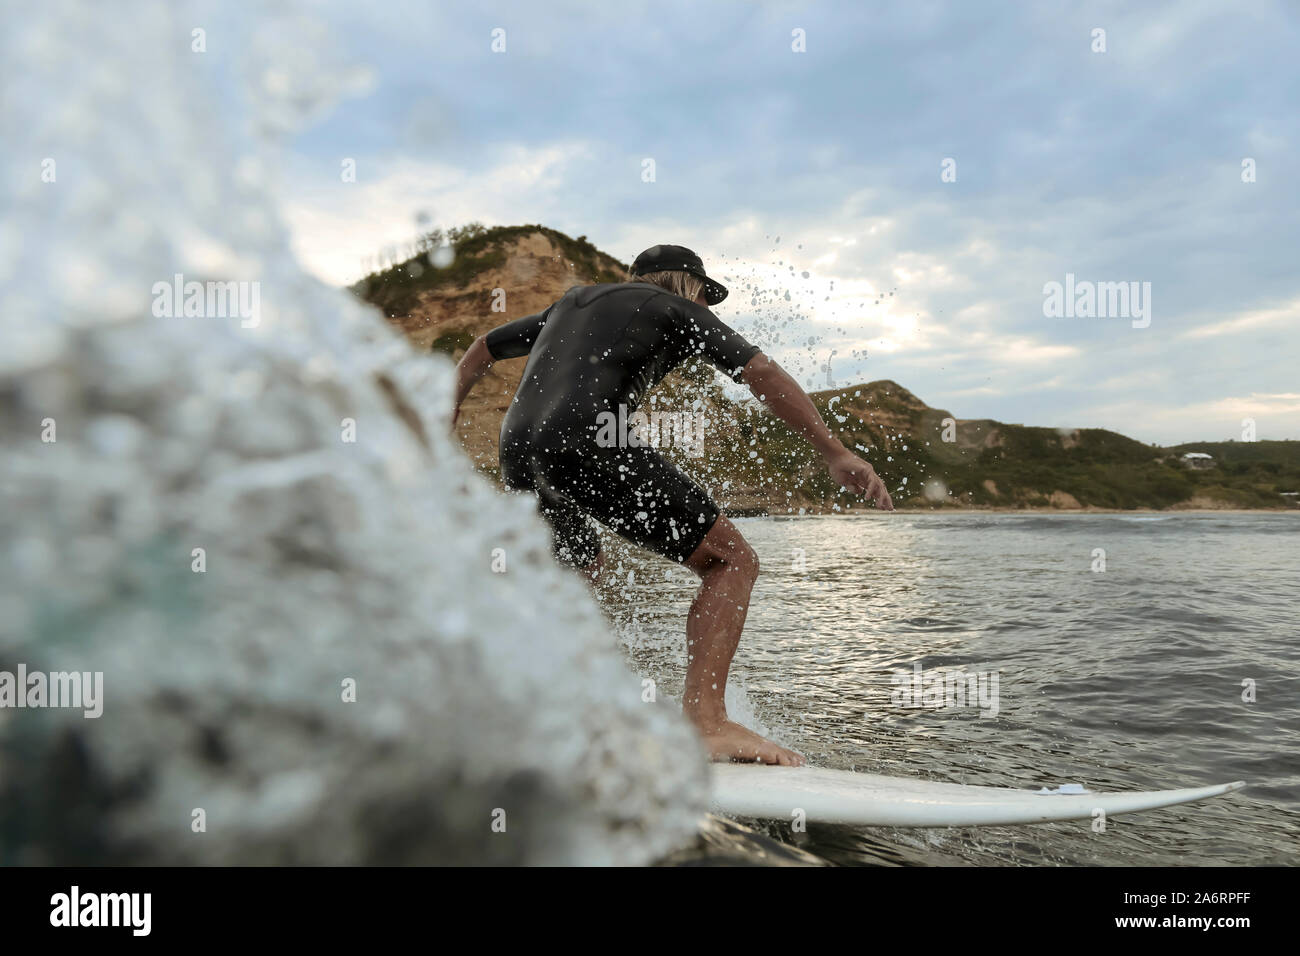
x: 524, y: 274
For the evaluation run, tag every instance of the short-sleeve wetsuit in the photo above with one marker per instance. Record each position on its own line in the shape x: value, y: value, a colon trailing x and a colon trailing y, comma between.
x: 596, y: 348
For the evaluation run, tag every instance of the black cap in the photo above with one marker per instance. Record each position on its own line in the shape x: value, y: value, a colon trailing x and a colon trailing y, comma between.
x: 678, y: 259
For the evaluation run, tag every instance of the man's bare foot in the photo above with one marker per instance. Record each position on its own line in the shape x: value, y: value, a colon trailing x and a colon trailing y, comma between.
x: 730, y: 741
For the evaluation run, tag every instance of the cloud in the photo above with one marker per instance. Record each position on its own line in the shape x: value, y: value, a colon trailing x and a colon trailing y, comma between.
x: 1120, y: 166
x: 339, y: 227
x: 1248, y: 320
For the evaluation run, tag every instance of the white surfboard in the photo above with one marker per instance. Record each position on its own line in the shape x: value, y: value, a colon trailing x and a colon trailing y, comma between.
x: 868, y: 799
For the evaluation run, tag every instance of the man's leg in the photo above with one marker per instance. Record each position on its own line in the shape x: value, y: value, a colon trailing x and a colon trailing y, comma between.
x: 576, y: 541
x: 649, y: 501
x: 727, y: 567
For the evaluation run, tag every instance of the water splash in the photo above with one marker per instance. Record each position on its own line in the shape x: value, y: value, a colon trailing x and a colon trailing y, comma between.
x: 328, y: 560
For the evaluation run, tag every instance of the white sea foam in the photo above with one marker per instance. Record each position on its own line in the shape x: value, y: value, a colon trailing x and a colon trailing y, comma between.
x: 324, y: 560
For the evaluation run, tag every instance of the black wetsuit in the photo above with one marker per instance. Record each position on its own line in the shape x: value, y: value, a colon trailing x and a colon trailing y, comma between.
x: 596, y: 348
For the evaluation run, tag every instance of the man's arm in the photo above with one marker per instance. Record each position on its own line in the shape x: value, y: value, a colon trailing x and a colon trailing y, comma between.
x: 473, y: 365
x: 512, y: 340
x: 774, y: 387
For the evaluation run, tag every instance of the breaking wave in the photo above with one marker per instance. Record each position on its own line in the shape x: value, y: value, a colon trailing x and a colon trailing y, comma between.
x: 255, y: 526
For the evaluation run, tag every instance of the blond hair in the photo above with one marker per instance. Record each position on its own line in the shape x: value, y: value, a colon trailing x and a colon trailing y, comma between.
x: 675, y: 281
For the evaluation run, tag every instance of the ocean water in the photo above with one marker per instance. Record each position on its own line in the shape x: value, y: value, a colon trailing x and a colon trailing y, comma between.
x: 1123, y: 675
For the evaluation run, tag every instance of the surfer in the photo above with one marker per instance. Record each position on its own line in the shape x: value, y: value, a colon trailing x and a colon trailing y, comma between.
x: 594, y: 353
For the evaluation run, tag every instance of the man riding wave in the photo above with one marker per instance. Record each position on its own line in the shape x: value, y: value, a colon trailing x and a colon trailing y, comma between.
x: 597, y: 351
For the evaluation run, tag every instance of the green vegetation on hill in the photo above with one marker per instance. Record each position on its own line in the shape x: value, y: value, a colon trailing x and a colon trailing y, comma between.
x: 1281, y: 455
x: 449, y: 343
x: 1024, y: 467
x: 477, y: 248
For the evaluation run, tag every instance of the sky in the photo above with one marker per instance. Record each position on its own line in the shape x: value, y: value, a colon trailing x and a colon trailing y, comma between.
x: 888, y: 189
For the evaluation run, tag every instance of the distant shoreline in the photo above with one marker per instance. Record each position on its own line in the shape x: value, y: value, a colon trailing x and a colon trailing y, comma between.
x: 751, y: 513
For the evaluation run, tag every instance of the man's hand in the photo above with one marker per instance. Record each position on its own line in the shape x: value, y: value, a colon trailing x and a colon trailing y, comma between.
x: 773, y: 386
x: 851, y: 472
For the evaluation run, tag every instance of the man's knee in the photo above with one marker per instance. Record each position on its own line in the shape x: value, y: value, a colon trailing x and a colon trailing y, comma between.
x: 724, y: 548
